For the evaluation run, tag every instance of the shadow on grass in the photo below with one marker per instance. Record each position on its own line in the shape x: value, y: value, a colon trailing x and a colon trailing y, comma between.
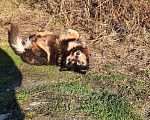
x: 10, y: 77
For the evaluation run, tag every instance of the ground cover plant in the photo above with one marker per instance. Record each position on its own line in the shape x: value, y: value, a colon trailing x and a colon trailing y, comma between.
x: 115, y: 87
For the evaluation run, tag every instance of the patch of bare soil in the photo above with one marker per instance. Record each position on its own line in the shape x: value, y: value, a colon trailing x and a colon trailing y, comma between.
x: 129, y: 57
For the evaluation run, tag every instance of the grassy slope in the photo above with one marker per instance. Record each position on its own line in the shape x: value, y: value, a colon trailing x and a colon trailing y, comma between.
x: 47, y: 93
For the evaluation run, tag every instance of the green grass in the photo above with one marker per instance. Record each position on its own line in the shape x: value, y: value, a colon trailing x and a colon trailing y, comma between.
x: 75, y: 98
x: 109, y: 66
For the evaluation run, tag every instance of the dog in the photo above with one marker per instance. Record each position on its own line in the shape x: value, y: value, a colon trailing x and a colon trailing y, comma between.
x: 45, y: 48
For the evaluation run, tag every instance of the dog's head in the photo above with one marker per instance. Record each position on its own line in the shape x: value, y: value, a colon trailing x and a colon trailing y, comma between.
x: 76, y: 59
x: 75, y: 54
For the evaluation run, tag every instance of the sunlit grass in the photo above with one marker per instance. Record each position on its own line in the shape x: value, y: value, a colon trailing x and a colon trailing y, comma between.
x: 75, y: 98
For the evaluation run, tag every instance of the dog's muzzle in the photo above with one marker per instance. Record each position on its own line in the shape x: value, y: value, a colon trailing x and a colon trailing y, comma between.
x: 77, y: 53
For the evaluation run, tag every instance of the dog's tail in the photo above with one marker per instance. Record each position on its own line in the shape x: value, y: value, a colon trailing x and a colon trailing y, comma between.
x: 15, y: 39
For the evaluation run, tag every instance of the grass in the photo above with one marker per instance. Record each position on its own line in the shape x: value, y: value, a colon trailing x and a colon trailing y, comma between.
x: 115, y: 87
x: 74, y: 98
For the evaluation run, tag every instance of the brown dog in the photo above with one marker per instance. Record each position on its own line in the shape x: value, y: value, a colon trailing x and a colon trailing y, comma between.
x: 44, y: 48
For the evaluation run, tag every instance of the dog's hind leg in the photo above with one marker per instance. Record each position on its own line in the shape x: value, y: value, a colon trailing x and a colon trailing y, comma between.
x: 70, y: 34
x: 41, y: 42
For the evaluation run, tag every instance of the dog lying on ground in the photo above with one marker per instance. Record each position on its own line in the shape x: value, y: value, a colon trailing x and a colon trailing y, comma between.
x: 45, y: 48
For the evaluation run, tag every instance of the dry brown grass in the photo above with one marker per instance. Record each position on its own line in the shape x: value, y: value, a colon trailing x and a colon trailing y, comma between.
x: 100, y: 17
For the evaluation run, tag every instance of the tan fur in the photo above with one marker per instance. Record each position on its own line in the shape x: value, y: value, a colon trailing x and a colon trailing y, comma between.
x: 71, y: 34
x: 35, y: 48
x: 81, y: 59
x: 43, y: 33
x: 69, y: 58
x: 72, y: 45
x: 43, y: 46
x: 39, y: 42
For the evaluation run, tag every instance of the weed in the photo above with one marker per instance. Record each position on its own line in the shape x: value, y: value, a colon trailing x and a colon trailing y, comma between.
x: 22, y: 97
x: 31, y: 113
x: 109, y: 66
